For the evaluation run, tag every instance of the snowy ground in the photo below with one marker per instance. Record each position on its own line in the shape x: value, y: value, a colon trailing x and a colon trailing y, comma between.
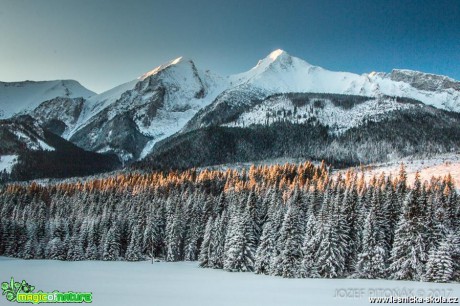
x: 438, y: 165
x: 7, y: 162
x: 267, y: 162
x: 183, y: 283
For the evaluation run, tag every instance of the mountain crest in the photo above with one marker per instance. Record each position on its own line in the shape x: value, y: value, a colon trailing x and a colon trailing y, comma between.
x: 277, y: 57
x: 180, y: 61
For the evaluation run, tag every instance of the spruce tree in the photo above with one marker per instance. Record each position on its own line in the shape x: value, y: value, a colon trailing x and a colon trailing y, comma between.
x: 291, y: 232
x: 239, y: 256
x: 408, y: 256
x: 372, y: 259
x: 134, y: 253
x: 440, y: 266
x: 218, y: 241
x: 205, y: 251
x: 331, y: 260
x: 310, y: 248
x: 112, y: 250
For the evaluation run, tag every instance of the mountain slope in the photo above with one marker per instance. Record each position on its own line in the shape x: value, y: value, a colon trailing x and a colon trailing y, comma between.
x: 177, y: 97
x: 129, y: 119
x: 410, y: 129
x: 59, y: 115
x: 281, y: 73
x: 39, y: 153
x: 20, y: 97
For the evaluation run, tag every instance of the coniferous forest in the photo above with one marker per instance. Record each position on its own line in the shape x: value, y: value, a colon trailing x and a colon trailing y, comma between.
x: 292, y: 221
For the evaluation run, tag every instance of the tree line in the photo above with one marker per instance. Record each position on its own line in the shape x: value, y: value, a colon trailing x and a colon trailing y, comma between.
x: 290, y: 221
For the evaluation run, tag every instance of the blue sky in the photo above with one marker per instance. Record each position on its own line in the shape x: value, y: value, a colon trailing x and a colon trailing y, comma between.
x: 103, y: 43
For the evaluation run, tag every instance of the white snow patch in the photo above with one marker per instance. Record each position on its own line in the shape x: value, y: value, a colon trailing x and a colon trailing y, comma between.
x: 17, y: 97
x: 439, y: 165
x: 337, y: 118
x: 45, y: 146
x: 7, y: 162
x: 184, y: 283
x: 36, y: 144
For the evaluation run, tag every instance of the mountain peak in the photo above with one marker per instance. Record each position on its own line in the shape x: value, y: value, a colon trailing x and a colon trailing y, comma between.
x: 178, y: 61
x: 277, y: 56
x: 277, y: 53
x: 274, y: 57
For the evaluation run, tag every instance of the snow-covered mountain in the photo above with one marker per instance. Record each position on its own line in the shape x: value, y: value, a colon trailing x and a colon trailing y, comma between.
x: 28, y: 151
x: 178, y: 97
x: 21, y: 97
x: 281, y: 73
x: 22, y: 133
x: 132, y: 117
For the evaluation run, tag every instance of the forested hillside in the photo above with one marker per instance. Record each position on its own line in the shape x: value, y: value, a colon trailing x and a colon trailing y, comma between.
x: 418, y: 131
x: 291, y: 221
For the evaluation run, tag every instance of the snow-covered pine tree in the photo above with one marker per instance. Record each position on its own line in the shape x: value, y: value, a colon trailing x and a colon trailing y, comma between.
x: 239, y: 256
x: 334, y: 242
x: 174, y: 236
x: 75, y: 247
x: 205, y: 251
x: 349, y: 208
x: 32, y: 241
x: 275, y: 267
x: 292, y: 235
x: 218, y: 241
x: 393, y: 211
x: 440, y: 266
x: 56, y: 248
x: 455, y: 248
x: 310, y: 248
x: 408, y: 255
x: 194, y: 233
x: 372, y: 259
x: 89, y: 233
x: 253, y: 212
x: 266, y: 247
x: 112, y: 244
x: 134, y: 251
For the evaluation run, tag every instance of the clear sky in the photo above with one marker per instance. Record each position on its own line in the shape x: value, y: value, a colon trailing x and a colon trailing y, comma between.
x: 103, y: 43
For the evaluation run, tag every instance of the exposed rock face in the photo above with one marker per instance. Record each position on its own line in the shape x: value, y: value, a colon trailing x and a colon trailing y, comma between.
x: 119, y: 135
x: 59, y: 115
x: 149, y: 109
x: 424, y: 81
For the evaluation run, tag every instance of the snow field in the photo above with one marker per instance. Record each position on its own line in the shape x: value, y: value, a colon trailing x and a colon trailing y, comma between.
x: 184, y: 283
x: 7, y: 162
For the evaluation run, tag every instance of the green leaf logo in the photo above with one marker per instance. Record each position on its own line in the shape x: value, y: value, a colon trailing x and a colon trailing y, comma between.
x: 11, y: 289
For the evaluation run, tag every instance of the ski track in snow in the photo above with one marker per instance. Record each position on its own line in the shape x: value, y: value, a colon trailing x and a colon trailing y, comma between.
x: 184, y: 283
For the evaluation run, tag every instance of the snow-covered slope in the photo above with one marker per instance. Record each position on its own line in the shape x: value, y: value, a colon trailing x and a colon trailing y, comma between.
x: 281, y: 73
x: 328, y: 110
x: 22, y: 133
x: 59, y: 115
x: 19, y: 97
x: 178, y: 97
x: 148, y: 109
x: 433, y: 165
